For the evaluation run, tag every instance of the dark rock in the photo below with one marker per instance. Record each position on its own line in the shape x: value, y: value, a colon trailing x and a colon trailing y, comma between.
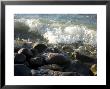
x: 84, y: 58
x: 19, y: 59
x: 49, y: 49
x: 40, y: 47
x: 36, y: 62
x: 35, y: 52
x: 56, y: 58
x: 21, y: 70
x: 16, y: 49
x: 26, y: 52
x: 78, y: 67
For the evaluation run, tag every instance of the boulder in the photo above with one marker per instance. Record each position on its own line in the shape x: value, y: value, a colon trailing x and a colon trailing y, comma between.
x: 84, y: 58
x: 40, y: 47
x: 36, y: 62
x: 21, y: 70
x: 19, y: 59
x: 56, y: 58
x: 78, y: 67
x: 34, y: 52
x: 26, y: 52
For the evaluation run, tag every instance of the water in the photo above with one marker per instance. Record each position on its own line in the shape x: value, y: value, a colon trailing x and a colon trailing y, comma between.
x: 63, y: 28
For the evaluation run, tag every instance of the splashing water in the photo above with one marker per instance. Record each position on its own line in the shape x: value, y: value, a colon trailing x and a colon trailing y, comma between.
x: 71, y: 34
x: 64, y: 31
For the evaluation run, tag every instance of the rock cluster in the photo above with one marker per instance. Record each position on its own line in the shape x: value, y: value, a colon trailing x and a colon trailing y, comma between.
x: 41, y: 60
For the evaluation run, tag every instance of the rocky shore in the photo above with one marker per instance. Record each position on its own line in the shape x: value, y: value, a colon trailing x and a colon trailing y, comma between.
x: 43, y: 60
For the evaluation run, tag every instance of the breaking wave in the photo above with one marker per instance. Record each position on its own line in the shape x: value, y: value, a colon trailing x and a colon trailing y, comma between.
x: 62, y: 31
x: 71, y: 34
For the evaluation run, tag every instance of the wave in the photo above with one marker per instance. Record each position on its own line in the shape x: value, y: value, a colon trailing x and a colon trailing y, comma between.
x: 57, y: 32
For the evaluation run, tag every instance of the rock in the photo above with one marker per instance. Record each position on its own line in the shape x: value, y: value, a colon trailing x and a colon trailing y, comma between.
x: 21, y: 70
x: 49, y: 49
x: 36, y: 62
x: 16, y: 49
x: 40, y: 47
x: 84, y: 58
x: 67, y: 48
x: 26, y: 52
x: 19, y: 59
x: 34, y: 52
x: 78, y: 67
x: 56, y: 58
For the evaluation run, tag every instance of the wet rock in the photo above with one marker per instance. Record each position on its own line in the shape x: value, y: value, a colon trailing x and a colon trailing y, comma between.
x: 78, y: 67
x: 36, y: 62
x: 21, y: 70
x: 16, y: 49
x: 56, y: 58
x: 34, y: 52
x: 40, y: 47
x: 19, y: 58
x: 84, y: 58
x: 26, y: 52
